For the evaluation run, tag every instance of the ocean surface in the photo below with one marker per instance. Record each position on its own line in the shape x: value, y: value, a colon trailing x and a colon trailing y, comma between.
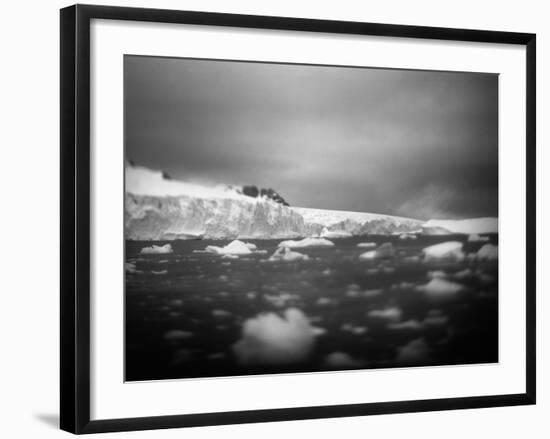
x: 196, y: 314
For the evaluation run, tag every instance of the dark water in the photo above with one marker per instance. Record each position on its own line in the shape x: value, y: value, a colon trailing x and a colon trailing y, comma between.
x: 371, y: 313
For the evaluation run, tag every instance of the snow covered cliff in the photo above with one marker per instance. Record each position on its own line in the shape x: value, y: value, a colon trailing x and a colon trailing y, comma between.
x: 158, y: 208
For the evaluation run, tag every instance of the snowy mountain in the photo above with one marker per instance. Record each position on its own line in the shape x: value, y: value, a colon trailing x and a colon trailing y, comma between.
x: 159, y: 208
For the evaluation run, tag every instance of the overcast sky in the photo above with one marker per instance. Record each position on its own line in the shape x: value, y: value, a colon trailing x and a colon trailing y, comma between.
x: 410, y: 143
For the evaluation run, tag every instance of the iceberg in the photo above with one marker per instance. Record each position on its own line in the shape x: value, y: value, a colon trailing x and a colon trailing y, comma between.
x: 434, y: 319
x: 157, y: 250
x: 271, y: 339
x: 464, y: 226
x: 414, y: 352
x: 131, y: 268
x: 438, y: 287
x: 340, y: 360
x: 392, y: 313
x: 474, y: 237
x: 488, y: 252
x: 285, y: 254
x: 412, y: 324
x: 385, y: 251
x: 307, y: 242
x: 450, y: 250
x: 159, y: 272
x: 367, y: 244
x: 235, y: 247
x: 353, y: 329
x: 280, y: 300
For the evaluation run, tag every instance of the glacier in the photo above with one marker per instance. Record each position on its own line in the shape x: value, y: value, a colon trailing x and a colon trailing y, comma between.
x: 158, y: 208
x: 161, y: 209
x: 465, y: 226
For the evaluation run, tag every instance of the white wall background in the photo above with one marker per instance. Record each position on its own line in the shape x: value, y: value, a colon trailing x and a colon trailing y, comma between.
x: 30, y: 204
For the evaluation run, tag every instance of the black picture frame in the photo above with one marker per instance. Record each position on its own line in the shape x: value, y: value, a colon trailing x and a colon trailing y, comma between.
x: 75, y: 217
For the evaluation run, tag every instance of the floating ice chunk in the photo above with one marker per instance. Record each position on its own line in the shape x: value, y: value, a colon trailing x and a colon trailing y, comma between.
x: 463, y: 274
x: 409, y: 324
x: 414, y: 352
x: 436, y: 274
x: 474, y: 237
x: 220, y: 313
x: 353, y: 290
x: 488, y: 252
x: 157, y: 250
x: 392, y: 313
x: 367, y: 244
x: 280, y: 300
x: 323, y: 301
x: 235, y: 247
x: 407, y: 236
x: 436, y: 320
x: 355, y: 330
x: 285, y: 254
x: 160, y: 272
x: 177, y: 334
x: 131, y: 268
x: 251, y: 246
x: 385, y: 251
x: 341, y: 360
x: 307, y: 242
x: 319, y: 331
x: 451, y: 250
x: 372, y: 292
x: 335, y: 234
x: 271, y: 339
x: 368, y: 255
x: 356, y: 292
x: 230, y: 256
x: 440, y: 287
x: 326, y: 272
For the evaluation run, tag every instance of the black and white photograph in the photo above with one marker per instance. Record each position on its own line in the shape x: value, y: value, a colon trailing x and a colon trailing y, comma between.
x: 295, y: 218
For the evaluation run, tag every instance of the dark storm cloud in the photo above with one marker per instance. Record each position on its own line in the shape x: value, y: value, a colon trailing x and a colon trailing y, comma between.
x: 412, y: 143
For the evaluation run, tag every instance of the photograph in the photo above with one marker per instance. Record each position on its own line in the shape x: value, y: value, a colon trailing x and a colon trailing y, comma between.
x: 305, y: 218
